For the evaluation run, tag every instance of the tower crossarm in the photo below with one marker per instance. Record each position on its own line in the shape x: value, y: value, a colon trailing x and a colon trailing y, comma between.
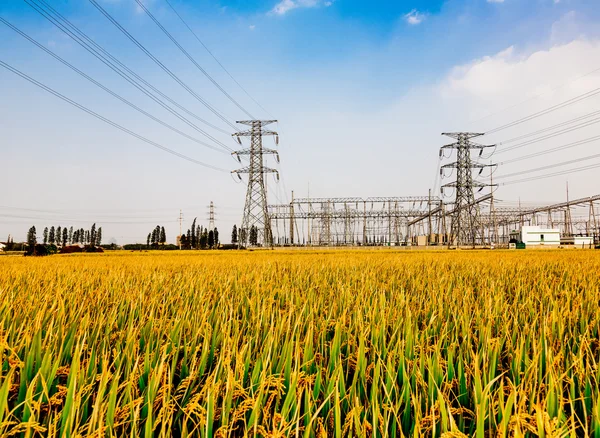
x: 456, y: 164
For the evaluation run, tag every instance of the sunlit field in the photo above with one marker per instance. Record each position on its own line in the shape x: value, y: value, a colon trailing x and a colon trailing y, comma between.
x: 301, y: 344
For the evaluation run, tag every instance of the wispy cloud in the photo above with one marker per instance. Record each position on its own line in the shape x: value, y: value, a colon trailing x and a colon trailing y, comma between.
x: 252, y: 27
x: 414, y: 17
x: 495, y: 1
x: 284, y: 6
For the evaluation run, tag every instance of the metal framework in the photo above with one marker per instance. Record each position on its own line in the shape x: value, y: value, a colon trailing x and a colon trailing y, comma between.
x: 211, y: 216
x: 465, y: 228
x: 347, y: 221
x: 256, y: 213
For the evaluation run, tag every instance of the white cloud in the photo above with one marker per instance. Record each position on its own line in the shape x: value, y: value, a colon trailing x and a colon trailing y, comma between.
x: 414, y: 17
x: 252, y: 27
x: 495, y: 1
x: 284, y: 6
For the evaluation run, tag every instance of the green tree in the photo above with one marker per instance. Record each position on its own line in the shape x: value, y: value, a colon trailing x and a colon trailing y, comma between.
x: 211, y: 239
x: 193, y: 236
x: 31, y: 240
x: 65, y: 236
x: 163, y: 236
x: 216, y: 238
x: 58, y: 235
x: 93, y: 235
x: 148, y: 240
x: 51, y: 235
x: 234, y: 234
x: 45, y: 235
x: 253, y: 235
x: 99, y: 236
x: 71, y: 235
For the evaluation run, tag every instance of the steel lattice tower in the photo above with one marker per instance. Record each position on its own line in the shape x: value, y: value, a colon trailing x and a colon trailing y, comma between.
x: 211, y: 216
x: 465, y: 227
x: 255, y: 209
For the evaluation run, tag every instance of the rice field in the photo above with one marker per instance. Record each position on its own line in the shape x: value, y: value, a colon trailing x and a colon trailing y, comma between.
x: 301, y: 344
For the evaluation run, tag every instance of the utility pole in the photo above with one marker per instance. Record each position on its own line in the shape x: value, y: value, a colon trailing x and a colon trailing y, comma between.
x: 429, y: 233
x: 211, y: 216
x: 180, y: 222
x: 255, y: 209
x: 292, y: 220
x: 465, y: 217
x: 494, y: 236
x: 568, y: 221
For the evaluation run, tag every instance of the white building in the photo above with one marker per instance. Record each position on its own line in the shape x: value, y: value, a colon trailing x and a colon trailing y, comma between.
x: 578, y: 241
x: 536, y: 236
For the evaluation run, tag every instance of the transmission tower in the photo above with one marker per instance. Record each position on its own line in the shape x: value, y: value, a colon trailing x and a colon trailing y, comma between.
x: 211, y: 216
x: 465, y: 227
x: 255, y: 209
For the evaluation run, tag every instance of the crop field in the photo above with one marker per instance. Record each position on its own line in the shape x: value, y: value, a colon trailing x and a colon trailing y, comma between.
x: 301, y: 344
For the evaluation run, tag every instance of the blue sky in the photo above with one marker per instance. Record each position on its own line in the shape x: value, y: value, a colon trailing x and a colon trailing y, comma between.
x: 362, y: 91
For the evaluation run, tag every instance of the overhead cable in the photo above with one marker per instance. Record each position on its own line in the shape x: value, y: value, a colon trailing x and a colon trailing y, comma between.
x: 106, y: 120
x: 161, y: 65
x: 191, y: 58
x: 215, y: 58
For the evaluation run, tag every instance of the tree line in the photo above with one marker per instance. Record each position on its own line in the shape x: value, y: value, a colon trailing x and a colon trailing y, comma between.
x: 59, y: 236
x: 198, y: 237
x: 238, y: 235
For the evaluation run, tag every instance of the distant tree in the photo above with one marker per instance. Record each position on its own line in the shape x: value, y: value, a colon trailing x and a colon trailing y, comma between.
x: 71, y: 235
x: 87, y: 236
x: 148, y: 240
x: 65, y: 236
x: 51, y: 235
x: 253, y: 235
x: 193, y: 235
x: 211, y: 239
x: 234, y: 234
x: 45, y: 235
x: 198, y: 235
x: 58, y: 235
x: 189, y: 239
x: 99, y: 236
x: 242, y: 235
x: 183, y: 241
x: 204, y: 239
x: 93, y: 235
x: 163, y: 236
x: 153, y: 239
x: 216, y: 238
x: 31, y: 240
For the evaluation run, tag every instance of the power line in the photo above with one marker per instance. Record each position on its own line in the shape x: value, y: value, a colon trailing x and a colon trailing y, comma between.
x: 39, y: 218
x: 549, y: 110
x: 550, y: 175
x: 112, y: 93
x: 160, y: 64
x: 537, y: 95
x: 105, y: 120
x: 548, y: 151
x: 198, y: 66
x: 101, y: 54
x: 549, y: 136
x: 550, y: 128
x: 215, y: 58
x: 550, y: 166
